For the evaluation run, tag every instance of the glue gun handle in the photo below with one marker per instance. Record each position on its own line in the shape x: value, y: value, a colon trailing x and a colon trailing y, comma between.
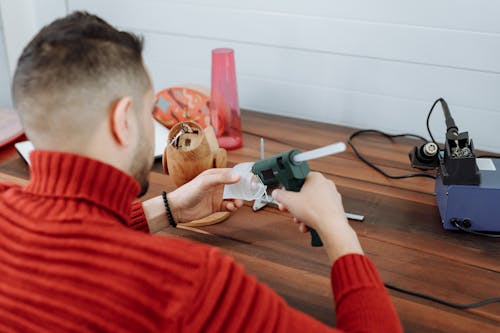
x: 295, y: 185
x: 315, y: 239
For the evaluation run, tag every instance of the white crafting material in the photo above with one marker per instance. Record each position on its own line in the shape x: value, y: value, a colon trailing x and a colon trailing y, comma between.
x: 24, y: 148
x: 250, y: 187
x: 161, y: 138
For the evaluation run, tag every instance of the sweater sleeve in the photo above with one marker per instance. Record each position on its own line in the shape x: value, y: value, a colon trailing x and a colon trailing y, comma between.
x: 231, y: 301
x: 362, y: 302
x: 137, y: 219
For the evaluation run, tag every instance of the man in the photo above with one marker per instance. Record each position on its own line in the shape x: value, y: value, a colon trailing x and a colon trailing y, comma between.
x: 72, y: 257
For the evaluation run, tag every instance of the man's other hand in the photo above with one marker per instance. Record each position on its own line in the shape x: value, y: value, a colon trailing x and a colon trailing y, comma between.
x: 202, y: 196
x: 319, y: 205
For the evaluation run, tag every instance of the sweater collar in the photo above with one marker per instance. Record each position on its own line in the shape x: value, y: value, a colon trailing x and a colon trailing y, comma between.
x: 66, y: 175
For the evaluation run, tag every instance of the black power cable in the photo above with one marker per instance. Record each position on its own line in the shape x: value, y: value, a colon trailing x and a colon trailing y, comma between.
x: 378, y: 169
x: 389, y: 136
x: 429, y: 117
x: 440, y: 301
x: 458, y: 226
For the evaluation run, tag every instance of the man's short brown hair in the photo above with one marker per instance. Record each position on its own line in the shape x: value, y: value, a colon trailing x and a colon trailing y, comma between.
x: 72, y: 71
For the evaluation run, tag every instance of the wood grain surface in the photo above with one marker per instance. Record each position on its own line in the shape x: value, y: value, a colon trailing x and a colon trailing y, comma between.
x: 401, y: 233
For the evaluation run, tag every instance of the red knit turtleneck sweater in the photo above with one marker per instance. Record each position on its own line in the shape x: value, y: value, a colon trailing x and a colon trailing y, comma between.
x: 71, y: 261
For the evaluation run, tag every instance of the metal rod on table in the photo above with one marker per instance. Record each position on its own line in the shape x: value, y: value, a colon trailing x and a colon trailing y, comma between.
x: 355, y: 217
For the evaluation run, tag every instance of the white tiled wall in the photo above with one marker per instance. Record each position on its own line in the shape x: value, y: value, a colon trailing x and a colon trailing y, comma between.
x: 371, y: 64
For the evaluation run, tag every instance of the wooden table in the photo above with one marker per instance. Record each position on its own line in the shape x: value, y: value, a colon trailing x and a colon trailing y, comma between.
x: 402, y: 231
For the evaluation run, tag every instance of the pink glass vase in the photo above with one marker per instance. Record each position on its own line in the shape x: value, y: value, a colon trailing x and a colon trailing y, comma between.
x: 224, y: 107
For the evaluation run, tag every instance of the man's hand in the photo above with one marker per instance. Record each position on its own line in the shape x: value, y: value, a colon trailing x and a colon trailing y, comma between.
x: 319, y: 205
x: 194, y: 200
x: 202, y: 196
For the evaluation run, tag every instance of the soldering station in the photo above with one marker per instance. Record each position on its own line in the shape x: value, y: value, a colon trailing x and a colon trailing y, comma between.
x: 467, y: 186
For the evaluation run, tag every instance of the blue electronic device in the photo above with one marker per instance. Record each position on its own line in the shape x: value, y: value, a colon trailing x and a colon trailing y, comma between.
x: 472, y: 207
x: 467, y: 187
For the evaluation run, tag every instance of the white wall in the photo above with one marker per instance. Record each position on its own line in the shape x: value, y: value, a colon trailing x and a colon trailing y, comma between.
x: 20, y: 20
x: 372, y: 64
x: 5, y: 98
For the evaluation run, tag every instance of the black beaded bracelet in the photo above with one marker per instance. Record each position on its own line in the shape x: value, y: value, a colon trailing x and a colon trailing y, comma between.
x: 169, y: 212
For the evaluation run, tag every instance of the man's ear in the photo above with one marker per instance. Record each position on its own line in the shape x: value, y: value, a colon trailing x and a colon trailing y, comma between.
x: 119, y: 120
